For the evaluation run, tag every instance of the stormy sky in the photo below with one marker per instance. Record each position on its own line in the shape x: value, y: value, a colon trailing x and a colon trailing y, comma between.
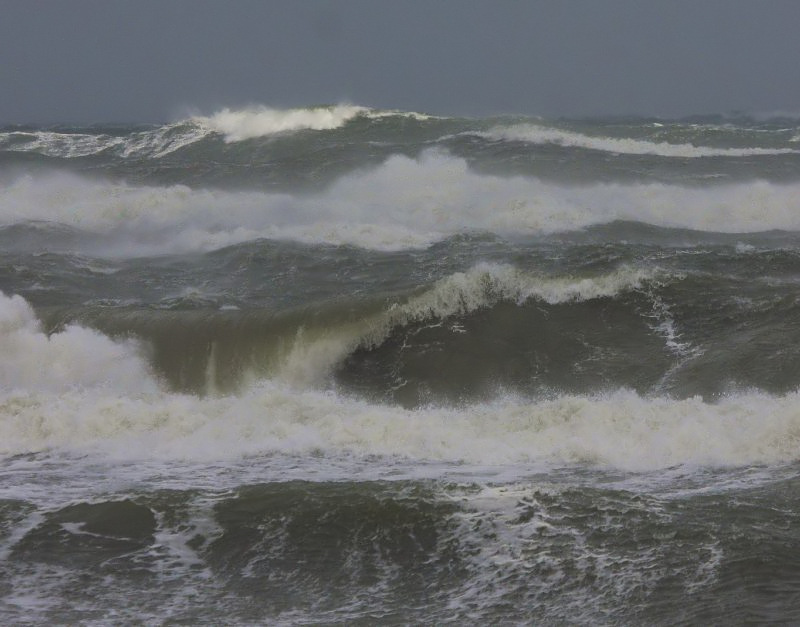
x: 155, y: 60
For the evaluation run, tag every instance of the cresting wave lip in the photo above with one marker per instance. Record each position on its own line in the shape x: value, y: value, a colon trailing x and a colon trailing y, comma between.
x: 304, y: 358
x: 260, y: 121
x: 537, y: 134
x: 316, y: 351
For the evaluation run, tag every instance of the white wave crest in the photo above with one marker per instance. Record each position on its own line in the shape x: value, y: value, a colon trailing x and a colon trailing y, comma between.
x: 403, y: 203
x: 546, y: 135
x: 241, y: 124
x: 72, y: 358
x: 377, y: 114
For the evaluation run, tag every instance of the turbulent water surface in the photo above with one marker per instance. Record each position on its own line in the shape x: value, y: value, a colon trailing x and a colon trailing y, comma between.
x: 340, y: 365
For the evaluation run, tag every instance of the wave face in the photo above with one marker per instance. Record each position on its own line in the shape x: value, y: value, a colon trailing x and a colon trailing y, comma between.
x: 301, y: 366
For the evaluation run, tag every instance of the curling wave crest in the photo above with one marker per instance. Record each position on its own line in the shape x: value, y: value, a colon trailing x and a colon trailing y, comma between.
x: 315, y: 352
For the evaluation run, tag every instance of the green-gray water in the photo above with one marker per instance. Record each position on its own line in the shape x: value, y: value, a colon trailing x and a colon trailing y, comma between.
x: 341, y: 365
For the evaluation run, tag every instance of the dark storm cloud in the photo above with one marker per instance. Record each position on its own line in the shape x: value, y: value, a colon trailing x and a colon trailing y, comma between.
x: 107, y: 60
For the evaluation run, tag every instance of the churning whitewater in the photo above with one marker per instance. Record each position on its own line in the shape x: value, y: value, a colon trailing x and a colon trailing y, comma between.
x: 337, y: 364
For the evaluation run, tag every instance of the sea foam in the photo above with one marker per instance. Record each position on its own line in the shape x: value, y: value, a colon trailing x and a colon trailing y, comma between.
x: 617, y: 430
x: 152, y: 143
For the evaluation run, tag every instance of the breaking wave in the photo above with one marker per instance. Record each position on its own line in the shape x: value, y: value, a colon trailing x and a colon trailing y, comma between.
x: 403, y: 203
x: 619, y: 429
x: 79, y: 391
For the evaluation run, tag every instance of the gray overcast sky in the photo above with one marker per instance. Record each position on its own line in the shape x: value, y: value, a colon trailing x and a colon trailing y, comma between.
x: 151, y: 61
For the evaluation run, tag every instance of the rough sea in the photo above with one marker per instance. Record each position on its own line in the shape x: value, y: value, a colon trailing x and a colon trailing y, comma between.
x: 340, y: 365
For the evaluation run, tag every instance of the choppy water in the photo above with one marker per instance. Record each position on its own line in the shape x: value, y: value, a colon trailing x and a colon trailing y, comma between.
x: 340, y: 365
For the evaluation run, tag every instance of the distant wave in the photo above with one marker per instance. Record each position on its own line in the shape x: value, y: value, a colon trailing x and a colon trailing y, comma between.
x: 233, y: 124
x: 547, y: 135
x: 248, y: 123
x: 236, y: 125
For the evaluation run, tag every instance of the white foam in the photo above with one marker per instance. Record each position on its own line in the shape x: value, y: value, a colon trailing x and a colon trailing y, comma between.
x: 547, y: 135
x: 73, y: 358
x: 620, y: 430
x: 259, y: 121
x: 402, y: 203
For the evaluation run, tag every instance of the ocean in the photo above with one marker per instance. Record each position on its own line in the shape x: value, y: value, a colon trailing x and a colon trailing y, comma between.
x: 340, y: 365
